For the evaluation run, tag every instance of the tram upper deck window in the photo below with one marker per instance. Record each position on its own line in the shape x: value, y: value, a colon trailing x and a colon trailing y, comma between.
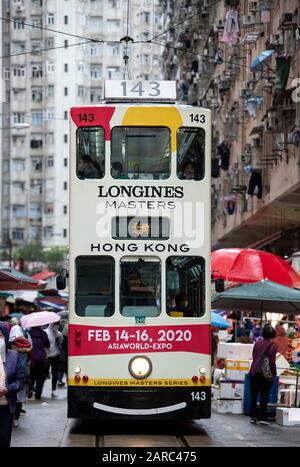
x: 94, y: 286
x: 140, y: 288
x: 90, y: 144
x: 190, y: 153
x: 185, y: 286
x: 141, y: 153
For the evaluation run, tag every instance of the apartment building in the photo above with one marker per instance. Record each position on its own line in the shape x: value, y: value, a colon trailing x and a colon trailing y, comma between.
x: 41, y: 87
x: 216, y: 58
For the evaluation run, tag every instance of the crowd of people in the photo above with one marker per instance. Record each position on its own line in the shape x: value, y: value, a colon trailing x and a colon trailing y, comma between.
x: 27, y: 358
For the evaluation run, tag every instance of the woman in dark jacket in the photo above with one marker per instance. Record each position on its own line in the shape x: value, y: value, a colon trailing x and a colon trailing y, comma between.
x: 14, y: 381
x: 39, y: 366
x: 259, y: 384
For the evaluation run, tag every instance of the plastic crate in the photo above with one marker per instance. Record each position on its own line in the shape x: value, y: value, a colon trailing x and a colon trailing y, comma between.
x: 272, y: 397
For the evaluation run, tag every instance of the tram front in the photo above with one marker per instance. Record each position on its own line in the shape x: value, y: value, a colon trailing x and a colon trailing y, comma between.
x: 139, y: 279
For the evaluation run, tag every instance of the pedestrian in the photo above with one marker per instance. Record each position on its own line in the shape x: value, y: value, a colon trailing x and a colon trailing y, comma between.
x: 63, y: 367
x: 214, y: 343
x: 39, y: 366
x: 281, y: 341
x: 11, y: 381
x: 23, y: 346
x: 262, y: 374
x: 55, y: 338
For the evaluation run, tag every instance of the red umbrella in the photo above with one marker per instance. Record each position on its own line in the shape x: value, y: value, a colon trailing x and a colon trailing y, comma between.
x: 247, y: 265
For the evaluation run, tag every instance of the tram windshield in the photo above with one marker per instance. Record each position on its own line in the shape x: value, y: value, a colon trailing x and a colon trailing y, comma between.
x: 90, y: 143
x: 185, y: 286
x: 140, y: 288
x: 141, y: 153
x: 190, y: 153
x: 94, y: 286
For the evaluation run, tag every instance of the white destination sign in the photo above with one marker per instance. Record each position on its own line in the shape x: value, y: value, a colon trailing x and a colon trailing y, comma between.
x: 156, y: 90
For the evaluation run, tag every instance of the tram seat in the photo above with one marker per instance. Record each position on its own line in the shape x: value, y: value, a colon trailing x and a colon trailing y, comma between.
x: 95, y: 311
x: 133, y: 311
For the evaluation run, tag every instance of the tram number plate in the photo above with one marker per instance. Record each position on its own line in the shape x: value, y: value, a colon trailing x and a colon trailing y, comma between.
x: 198, y: 396
x: 117, y: 89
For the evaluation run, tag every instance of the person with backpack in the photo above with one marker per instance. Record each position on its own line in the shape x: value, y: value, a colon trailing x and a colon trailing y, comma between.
x: 262, y: 374
x: 39, y: 366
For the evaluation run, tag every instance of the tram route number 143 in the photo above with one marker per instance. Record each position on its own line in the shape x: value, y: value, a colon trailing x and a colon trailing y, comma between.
x: 198, y: 396
x: 138, y: 89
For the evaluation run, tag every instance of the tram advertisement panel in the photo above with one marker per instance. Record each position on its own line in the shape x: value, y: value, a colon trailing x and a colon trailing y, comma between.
x: 96, y: 340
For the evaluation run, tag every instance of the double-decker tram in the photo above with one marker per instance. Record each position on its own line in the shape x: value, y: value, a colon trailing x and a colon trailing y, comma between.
x: 139, y: 261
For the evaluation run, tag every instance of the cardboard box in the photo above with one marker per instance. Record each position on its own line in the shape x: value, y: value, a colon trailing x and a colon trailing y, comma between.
x: 234, y: 406
x: 287, y: 396
x: 237, y: 369
x: 288, y: 416
x: 231, y: 389
x: 235, y: 350
x: 281, y: 364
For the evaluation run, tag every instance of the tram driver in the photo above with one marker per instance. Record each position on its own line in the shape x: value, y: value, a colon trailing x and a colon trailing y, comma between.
x: 181, y: 308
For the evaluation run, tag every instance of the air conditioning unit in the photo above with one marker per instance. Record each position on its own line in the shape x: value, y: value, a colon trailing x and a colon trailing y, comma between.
x: 288, y: 18
x: 243, y: 92
x: 247, y: 85
x: 19, y: 9
x: 256, y: 142
x: 249, y: 20
x: 276, y: 39
x: 254, y: 6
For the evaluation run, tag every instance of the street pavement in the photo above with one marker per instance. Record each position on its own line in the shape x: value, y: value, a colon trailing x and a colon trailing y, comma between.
x: 45, y: 424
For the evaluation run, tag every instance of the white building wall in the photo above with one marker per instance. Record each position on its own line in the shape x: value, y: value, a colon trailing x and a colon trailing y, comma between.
x: 70, y: 76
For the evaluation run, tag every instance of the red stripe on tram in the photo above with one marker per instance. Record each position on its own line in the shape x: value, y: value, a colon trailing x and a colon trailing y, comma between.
x: 93, y: 116
x: 100, y: 340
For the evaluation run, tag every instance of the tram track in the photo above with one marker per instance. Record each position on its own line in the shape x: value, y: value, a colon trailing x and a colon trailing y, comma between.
x: 82, y: 435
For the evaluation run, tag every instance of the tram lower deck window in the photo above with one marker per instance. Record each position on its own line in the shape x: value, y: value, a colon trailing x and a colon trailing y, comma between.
x: 141, y: 153
x: 94, y: 286
x: 90, y: 153
x: 140, y: 288
x: 185, y: 286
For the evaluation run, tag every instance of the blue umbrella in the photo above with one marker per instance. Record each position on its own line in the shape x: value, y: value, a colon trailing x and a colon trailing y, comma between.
x: 218, y: 321
x: 260, y: 59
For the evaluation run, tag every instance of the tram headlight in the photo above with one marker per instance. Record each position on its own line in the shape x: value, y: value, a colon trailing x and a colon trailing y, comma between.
x: 202, y: 371
x: 77, y: 370
x: 140, y: 367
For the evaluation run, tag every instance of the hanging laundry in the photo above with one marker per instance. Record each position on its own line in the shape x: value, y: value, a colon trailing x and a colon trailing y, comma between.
x: 195, y: 66
x: 296, y: 138
x: 297, y: 37
x: 248, y: 57
x: 248, y: 169
x: 282, y: 73
x: 252, y: 105
x: 215, y: 167
x: 231, y: 27
x: 230, y: 207
x: 255, y: 185
x: 224, y: 153
x: 265, y: 16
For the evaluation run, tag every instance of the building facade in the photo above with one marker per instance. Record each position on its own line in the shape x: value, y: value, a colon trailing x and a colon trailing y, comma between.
x: 242, y: 60
x: 41, y: 87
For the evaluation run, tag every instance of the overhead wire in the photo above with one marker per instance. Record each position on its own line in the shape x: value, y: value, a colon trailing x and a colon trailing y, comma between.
x: 56, y: 31
x: 34, y: 51
x: 182, y: 21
